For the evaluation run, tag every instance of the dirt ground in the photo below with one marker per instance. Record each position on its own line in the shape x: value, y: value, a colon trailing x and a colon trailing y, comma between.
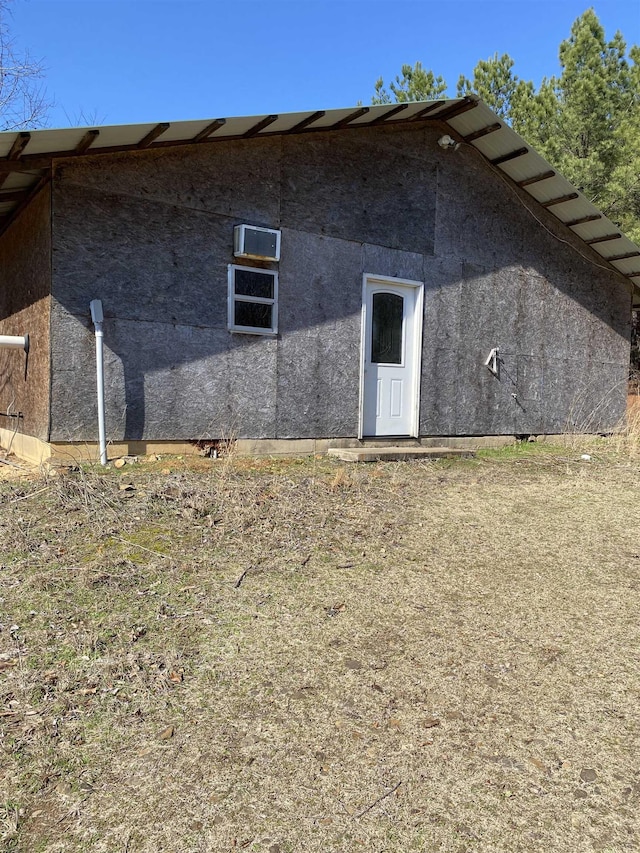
x: 311, y: 656
x: 13, y: 469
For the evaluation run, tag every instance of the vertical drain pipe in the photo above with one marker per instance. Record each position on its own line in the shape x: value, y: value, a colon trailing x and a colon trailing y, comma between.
x: 97, y: 318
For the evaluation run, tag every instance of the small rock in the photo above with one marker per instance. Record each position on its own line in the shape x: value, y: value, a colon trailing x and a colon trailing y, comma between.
x: 350, y: 663
x: 125, y: 460
x: 431, y: 722
x: 579, y: 794
x: 588, y: 775
x: 167, y: 733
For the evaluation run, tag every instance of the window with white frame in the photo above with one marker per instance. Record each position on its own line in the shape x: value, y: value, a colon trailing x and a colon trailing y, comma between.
x: 253, y: 300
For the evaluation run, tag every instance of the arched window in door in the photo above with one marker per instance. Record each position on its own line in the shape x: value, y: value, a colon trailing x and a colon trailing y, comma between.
x: 386, y: 328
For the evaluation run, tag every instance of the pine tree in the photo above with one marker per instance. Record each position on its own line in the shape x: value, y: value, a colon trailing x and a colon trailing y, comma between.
x: 585, y: 122
x: 495, y: 82
x: 623, y: 187
x: 416, y: 84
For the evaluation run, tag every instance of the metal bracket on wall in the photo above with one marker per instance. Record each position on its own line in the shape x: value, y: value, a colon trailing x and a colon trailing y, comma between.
x: 493, y: 362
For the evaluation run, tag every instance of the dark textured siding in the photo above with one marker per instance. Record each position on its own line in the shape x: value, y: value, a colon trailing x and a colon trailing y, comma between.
x: 25, y: 282
x: 507, y: 274
x: 151, y: 235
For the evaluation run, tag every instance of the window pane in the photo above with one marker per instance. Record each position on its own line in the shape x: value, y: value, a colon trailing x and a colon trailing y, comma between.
x: 254, y: 283
x: 386, y: 332
x: 254, y: 314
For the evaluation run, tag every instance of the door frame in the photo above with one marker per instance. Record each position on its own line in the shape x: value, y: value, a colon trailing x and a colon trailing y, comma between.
x: 369, y: 279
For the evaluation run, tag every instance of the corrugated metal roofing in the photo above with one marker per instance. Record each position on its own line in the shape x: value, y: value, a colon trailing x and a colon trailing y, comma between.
x: 576, y: 211
x: 26, y: 158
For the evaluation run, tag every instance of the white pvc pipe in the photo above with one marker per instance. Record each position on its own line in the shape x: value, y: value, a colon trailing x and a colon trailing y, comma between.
x: 97, y: 317
x: 15, y: 342
x: 100, y: 388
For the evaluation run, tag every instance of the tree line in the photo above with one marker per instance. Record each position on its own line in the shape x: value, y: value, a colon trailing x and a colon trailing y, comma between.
x: 585, y: 121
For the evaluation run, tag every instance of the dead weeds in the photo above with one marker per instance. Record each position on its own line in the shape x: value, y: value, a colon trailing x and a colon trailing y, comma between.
x: 307, y: 656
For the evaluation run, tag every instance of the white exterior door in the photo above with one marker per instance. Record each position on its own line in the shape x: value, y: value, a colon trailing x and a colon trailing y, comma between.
x: 391, y: 357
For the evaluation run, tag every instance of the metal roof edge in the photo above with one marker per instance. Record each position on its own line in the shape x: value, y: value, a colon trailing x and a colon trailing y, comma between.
x: 26, y: 158
x: 525, y: 168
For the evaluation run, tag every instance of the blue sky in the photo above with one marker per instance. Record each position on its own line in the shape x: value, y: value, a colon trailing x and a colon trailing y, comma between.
x: 131, y: 61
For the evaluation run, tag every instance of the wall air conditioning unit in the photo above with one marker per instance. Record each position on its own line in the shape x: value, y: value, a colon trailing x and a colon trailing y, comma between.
x: 250, y: 241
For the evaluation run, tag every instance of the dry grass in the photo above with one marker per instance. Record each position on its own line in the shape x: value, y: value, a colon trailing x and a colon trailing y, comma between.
x: 627, y: 439
x: 303, y: 656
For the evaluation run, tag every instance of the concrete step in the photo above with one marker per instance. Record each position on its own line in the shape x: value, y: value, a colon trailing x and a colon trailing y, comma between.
x: 398, y: 453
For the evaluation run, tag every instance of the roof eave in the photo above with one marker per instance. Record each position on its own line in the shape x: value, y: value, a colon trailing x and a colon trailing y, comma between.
x: 27, y: 158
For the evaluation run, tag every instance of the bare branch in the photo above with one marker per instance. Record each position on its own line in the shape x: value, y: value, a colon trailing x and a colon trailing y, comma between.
x: 23, y: 100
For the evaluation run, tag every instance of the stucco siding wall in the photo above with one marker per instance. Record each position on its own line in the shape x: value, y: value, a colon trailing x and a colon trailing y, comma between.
x: 25, y: 279
x: 151, y: 235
